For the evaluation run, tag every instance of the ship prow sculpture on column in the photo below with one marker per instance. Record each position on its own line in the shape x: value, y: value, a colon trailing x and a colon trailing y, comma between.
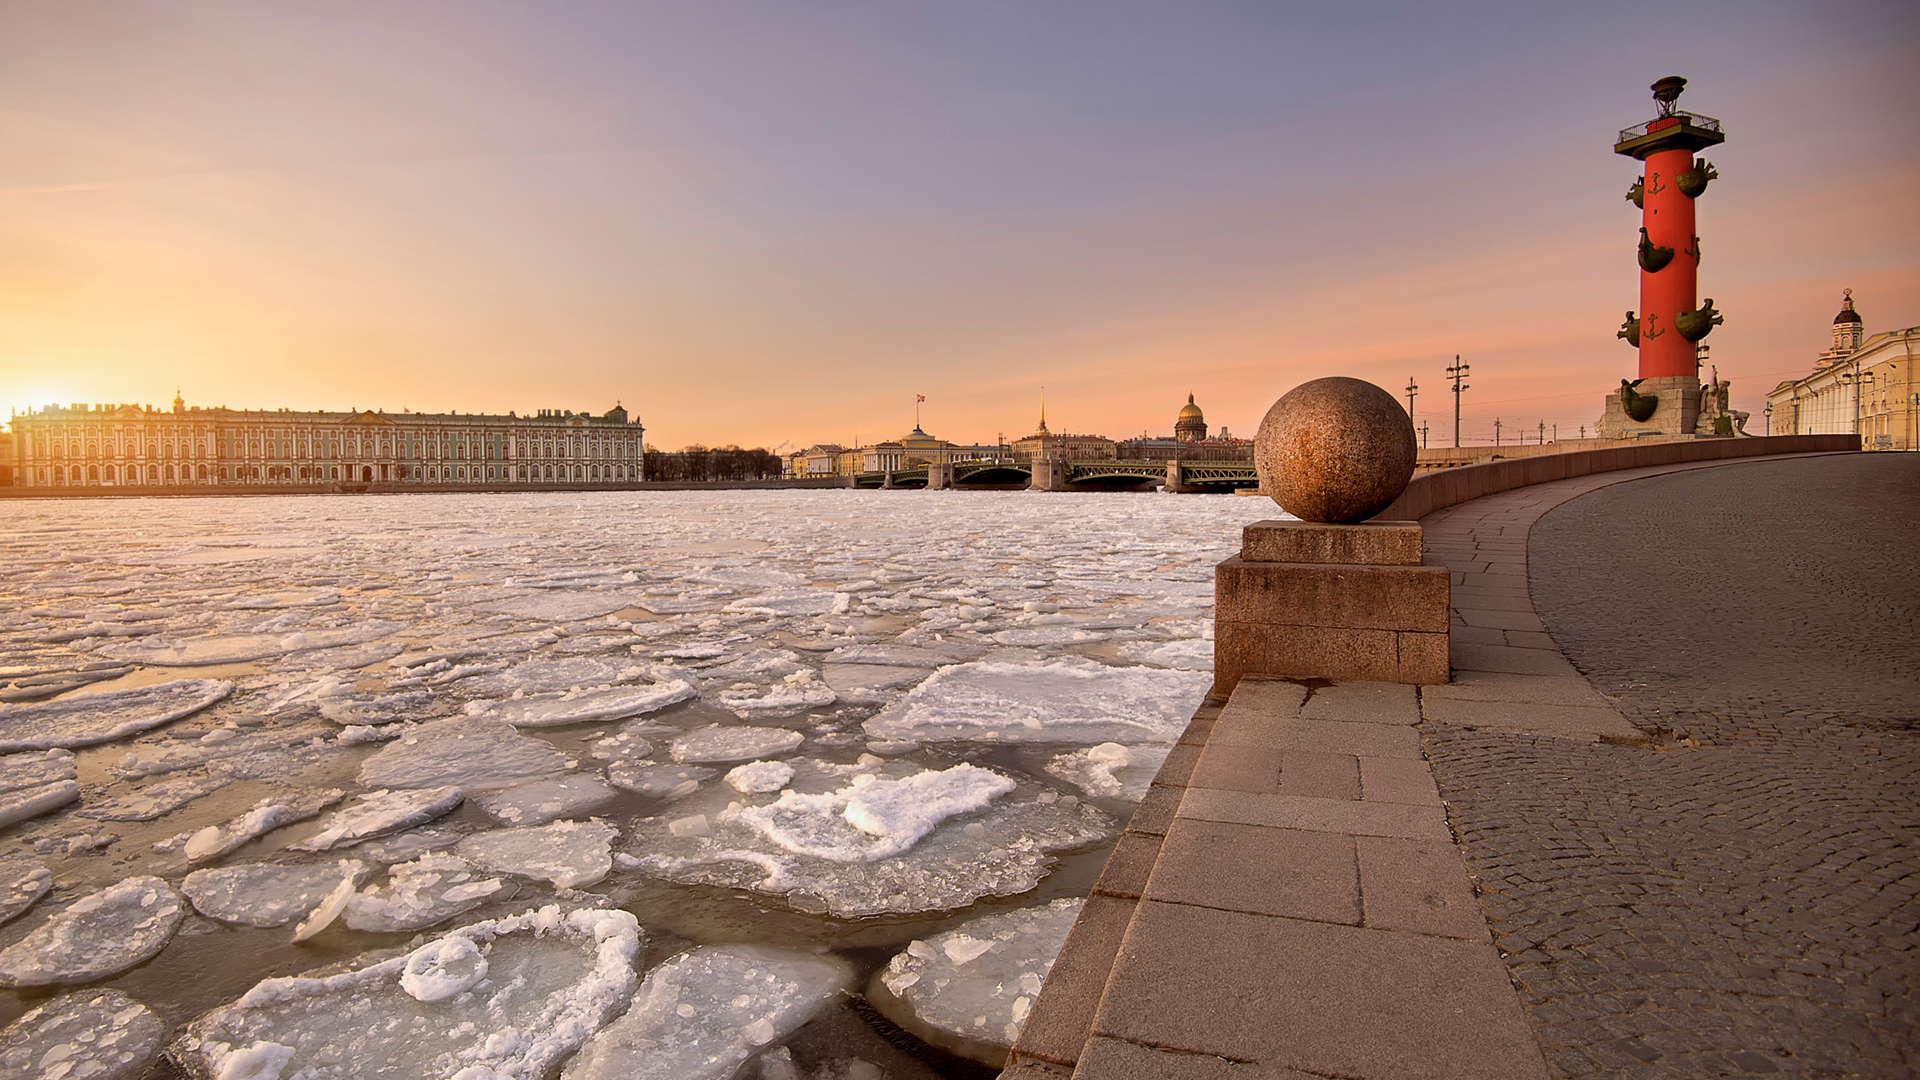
x: 1334, y: 595
x: 1666, y: 399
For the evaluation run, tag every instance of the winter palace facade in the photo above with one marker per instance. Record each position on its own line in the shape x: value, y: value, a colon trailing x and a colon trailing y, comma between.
x: 133, y: 446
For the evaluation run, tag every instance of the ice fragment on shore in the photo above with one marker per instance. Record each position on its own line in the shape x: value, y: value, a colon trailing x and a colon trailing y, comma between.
x: 100, y: 934
x: 545, y: 800
x: 478, y: 755
x: 970, y: 989
x: 373, y: 710
x: 720, y: 744
x: 551, y: 981
x: 429, y: 890
x: 570, y: 854
x: 108, y: 715
x: 576, y: 707
x: 21, y: 883
x: 263, y: 894
x: 702, y: 1014
x: 380, y: 812
x: 86, y: 1035
x: 1070, y: 700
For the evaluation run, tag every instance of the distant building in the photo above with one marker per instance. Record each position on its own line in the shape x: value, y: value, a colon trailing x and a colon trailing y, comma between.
x: 1192, y: 424
x: 1862, y: 384
x: 133, y: 446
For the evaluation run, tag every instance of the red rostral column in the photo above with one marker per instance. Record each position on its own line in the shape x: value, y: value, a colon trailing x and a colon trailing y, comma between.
x: 1668, y: 325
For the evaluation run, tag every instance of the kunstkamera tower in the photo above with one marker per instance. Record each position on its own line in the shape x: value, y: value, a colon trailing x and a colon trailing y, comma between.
x: 1665, y: 398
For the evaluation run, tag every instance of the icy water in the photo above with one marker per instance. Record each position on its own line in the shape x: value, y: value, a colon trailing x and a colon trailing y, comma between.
x: 613, y: 784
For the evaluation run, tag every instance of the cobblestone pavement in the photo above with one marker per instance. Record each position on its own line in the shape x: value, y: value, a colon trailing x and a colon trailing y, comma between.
x: 1741, y: 898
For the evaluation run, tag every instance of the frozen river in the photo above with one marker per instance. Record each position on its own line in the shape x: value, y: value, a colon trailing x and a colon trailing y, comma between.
x: 618, y: 784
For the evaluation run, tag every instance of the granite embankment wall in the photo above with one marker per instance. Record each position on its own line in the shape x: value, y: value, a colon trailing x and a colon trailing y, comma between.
x: 1432, y: 491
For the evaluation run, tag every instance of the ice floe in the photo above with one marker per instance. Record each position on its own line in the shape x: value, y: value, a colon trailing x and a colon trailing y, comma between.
x: 477, y: 755
x: 545, y: 800
x: 580, y: 706
x: 265, y: 816
x: 734, y: 743
x: 418, y: 894
x: 98, y: 935
x: 547, y: 981
x: 759, y: 777
x: 1069, y: 700
x: 21, y: 883
x: 659, y: 781
x: 161, y: 651
x: 380, y: 812
x: 31, y: 802
x: 154, y: 800
x: 939, y: 839
x: 704, y: 1013
x: 263, y: 894
x: 570, y: 854
x: 971, y: 988
x: 1110, y: 770
x: 20, y: 771
x: 85, y: 1035
x: 89, y: 719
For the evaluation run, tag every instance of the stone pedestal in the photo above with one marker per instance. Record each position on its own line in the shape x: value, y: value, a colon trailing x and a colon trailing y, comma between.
x: 1049, y: 474
x: 1677, y: 413
x: 1344, y: 602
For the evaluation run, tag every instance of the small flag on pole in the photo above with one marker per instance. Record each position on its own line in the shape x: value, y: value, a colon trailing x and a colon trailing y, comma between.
x: 919, y: 397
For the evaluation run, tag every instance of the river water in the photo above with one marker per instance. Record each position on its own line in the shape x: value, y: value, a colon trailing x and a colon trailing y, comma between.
x: 945, y: 703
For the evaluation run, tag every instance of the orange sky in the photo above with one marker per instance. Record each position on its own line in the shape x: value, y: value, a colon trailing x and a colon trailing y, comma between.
x: 776, y: 225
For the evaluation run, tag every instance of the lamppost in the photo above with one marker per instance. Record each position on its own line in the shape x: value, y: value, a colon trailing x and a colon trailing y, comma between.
x: 1413, y: 390
x: 1457, y: 372
x: 1496, y: 431
x: 1769, y: 411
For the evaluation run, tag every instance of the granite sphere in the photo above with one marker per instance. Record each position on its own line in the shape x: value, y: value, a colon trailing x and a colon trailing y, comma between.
x: 1335, y: 450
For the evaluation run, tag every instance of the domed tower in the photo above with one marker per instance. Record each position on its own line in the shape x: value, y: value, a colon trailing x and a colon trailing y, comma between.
x: 1847, y: 328
x: 1192, y: 424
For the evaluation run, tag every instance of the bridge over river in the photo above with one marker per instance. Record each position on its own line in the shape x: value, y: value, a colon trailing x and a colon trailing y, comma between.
x: 1004, y: 473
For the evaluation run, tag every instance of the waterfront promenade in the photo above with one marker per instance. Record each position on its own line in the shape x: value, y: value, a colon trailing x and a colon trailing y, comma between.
x: 1661, y: 824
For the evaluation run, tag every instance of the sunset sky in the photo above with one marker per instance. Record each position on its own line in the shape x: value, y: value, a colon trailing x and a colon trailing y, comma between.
x: 774, y: 224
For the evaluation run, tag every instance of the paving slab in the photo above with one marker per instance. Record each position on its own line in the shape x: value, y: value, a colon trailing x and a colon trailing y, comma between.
x: 1469, y: 685
x: 1318, y: 815
x: 1578, y: 721
x: 1364, y: 702
x: 1397, y: 780
x: 1290, y: 872
x: 1417, y: 885
x: 1516, y: 661
x: 1320, y: 776
x: 1334, y: 1000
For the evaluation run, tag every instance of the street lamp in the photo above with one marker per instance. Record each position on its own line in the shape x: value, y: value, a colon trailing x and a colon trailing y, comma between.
x: 1457, y: 372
